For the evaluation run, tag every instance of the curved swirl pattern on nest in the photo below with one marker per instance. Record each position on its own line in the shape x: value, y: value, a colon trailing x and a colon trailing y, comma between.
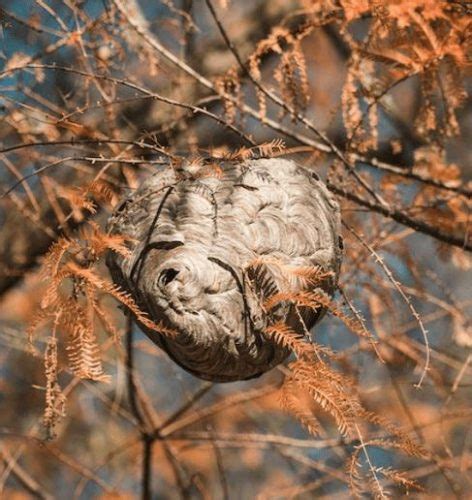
x: 211, y: 242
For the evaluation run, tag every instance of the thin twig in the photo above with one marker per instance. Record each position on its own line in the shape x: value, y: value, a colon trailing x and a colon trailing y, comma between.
x: 143, y: 90
x: 146, y: 439
x: 407, y: 300
x: 282, y: 104
x: 28, y: 481
x: 406, y: 220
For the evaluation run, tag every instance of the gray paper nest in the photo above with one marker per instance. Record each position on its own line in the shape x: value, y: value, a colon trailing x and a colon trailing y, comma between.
x: 211, y: 242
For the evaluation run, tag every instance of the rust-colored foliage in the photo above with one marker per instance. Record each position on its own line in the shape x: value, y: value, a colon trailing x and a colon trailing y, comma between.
x: 372, y: 96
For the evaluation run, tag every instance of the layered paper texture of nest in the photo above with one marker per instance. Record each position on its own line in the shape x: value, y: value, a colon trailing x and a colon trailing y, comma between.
x: 212, y: 243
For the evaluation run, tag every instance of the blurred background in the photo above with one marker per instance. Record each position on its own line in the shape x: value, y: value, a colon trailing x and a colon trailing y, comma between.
x: 372, y: 96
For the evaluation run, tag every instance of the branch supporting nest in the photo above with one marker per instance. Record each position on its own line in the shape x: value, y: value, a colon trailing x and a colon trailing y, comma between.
x: 212, y: 243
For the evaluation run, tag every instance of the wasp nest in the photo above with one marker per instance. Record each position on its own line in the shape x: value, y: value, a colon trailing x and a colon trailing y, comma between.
x: 211, y: 243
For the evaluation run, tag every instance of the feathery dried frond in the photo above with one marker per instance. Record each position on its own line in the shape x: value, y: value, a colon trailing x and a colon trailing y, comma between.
x: 82, y: 347
x: 330, y: 390
x: 70, y: 301
x: 400, y: 478
x: 125, y: 298
x: 55, y: 399
x: 98, y: 242
x: 315, y: 300
x: 292, y: 404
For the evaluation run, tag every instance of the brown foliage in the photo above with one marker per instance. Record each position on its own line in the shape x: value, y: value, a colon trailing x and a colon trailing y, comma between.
x: 370, y: 95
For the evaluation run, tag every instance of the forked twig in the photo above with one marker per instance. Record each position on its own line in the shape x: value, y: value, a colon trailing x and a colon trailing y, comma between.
x: 405, y: 297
